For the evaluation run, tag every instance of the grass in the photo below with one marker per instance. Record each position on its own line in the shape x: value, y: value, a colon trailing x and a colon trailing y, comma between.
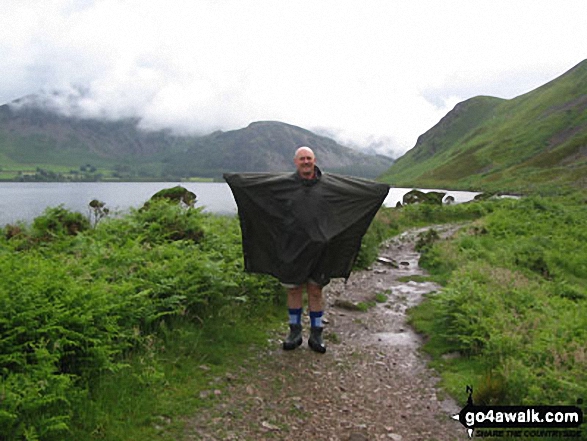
x: 187, y: 368
x: 365, y: 306
x: 104, y: 329
x: 456, y: 370
x: 381, y: 297
x: 510, y: 319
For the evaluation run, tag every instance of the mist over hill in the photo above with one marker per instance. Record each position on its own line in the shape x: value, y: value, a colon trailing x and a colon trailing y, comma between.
x: 33, y: 136
x: 533, y: 140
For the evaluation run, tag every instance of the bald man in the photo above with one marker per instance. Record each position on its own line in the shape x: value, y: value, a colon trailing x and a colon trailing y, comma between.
x: 305, y: 162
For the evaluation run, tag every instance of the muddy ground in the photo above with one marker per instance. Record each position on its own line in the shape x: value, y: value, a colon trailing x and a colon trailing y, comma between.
x: 372, y: 383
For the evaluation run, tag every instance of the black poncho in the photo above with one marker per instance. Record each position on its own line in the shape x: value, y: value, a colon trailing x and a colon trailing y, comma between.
x: 296, y: 229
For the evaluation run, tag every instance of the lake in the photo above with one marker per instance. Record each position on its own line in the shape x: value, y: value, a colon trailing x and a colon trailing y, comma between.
x: 23, y: 201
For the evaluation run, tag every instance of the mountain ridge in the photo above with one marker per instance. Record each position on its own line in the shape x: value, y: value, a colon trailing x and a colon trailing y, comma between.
x: 485, y: 143
x: 32, y: 136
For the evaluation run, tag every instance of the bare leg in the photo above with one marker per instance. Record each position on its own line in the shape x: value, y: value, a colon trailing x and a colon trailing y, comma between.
x: 294, y: 297
x: 315, y: 301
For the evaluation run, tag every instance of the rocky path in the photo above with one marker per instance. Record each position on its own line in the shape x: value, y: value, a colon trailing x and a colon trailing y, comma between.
x: 372, y: 383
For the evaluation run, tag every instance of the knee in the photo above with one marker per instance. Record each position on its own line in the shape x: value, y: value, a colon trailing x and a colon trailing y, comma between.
x: 295, y: 293
x: 314, y: 292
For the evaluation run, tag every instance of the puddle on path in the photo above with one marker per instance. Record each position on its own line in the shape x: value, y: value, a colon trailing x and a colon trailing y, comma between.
x: 405, y: 338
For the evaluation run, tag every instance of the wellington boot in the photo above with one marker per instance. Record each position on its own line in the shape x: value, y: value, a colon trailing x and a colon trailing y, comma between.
x: 294, y: 339
x: 315, y: 341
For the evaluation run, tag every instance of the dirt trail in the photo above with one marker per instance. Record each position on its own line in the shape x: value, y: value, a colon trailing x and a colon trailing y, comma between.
x: 372, y: 383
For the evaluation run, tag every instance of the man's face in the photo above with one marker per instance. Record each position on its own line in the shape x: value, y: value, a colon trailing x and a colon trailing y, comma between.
x: 305, y: 162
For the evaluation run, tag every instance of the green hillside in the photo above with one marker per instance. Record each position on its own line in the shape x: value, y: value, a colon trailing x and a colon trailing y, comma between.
x: 535, y: 140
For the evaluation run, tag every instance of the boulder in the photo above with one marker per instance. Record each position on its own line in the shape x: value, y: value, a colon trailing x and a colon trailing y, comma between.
x: 176, y: 194
x: 417, y: 197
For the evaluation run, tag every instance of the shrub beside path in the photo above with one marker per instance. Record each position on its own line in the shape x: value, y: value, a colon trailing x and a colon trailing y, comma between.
x: 372, y: 383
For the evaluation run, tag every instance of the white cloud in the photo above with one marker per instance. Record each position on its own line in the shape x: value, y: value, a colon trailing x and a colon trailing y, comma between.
x: 376, y: 73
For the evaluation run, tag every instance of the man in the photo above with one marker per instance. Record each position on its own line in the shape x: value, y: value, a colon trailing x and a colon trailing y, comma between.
x: 304, y: 228
x: 305, y: 162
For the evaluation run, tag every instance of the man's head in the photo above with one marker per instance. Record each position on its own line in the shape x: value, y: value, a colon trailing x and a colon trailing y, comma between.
x: 305, y: 162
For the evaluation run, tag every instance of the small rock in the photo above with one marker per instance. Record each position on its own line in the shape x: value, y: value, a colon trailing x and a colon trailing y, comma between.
x: 387, y: 261
x: 162, y: 420
x: 395, y: 436
x: 450, y: 356
x: 346, y: 304
x: 269, y: 426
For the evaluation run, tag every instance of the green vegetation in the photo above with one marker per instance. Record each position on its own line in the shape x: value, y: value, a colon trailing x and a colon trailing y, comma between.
x: 104, y: 330
x: 46, y: 172
x: 391, y: 222
x: 365, y: 306
x: 534, y: 141
x: 381, y: 297
x: 511, y: 319
x: 115, y: 328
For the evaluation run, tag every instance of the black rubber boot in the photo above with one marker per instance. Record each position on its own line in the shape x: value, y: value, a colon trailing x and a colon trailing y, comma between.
x: 294, y: 339
x: 315, y: 340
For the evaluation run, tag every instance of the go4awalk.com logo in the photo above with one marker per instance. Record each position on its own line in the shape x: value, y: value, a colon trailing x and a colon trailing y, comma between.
x: 520, y: 421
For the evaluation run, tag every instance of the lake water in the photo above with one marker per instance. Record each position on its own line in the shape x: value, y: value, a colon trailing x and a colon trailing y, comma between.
x: 23, y: 201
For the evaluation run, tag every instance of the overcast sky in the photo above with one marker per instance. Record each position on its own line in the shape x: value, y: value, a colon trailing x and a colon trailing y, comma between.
x: 368, y: 73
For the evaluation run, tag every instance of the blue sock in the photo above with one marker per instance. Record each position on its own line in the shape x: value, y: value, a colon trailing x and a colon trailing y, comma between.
x: 316, y: 319
x: 295, y: 316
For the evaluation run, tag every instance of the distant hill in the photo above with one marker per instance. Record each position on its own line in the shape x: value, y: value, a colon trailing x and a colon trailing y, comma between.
x: 40, y: 144
x: 534, y: 140
x: 269, y: 146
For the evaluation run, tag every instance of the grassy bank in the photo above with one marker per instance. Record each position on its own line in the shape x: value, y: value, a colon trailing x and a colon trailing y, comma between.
x: 511, y: 319
x: 113, y: 332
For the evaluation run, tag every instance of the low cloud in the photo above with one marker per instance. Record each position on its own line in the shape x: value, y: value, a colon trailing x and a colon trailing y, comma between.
x: 374, y: 76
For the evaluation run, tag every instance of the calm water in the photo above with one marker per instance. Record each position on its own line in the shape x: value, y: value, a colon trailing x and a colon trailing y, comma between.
x: 23, y: 201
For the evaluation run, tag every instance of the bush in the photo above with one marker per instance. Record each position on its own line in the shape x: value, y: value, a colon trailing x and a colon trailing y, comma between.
x: 75, y: 300
x: 514, y: 300
x: 58, y: 221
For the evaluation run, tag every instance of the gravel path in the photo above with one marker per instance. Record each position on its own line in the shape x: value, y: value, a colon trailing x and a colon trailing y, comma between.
x: 372, y: 383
